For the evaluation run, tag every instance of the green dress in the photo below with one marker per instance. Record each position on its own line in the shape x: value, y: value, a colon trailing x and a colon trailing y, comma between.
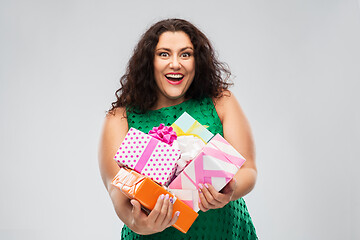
x: 230, y: 222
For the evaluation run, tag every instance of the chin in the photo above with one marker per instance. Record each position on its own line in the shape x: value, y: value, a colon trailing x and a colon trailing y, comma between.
x: 175, y: 97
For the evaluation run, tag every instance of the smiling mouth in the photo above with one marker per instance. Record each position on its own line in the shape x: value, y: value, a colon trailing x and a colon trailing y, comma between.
x: 174, y: 77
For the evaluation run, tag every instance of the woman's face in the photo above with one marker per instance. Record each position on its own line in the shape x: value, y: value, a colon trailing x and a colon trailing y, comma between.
x: 174, y: 66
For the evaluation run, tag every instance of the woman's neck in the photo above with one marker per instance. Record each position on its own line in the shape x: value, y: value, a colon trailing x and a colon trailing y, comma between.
x: 166, y: 102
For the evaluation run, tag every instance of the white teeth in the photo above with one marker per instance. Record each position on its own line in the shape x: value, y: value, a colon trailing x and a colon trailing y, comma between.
x: 174, y: 75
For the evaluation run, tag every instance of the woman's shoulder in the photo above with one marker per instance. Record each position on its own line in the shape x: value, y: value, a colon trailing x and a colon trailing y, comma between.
x: 116, y: 119
x: 224, y: 103
x: 118, y: 113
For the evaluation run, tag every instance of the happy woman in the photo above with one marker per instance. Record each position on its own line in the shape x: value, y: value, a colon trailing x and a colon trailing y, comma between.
x: 174, y: 69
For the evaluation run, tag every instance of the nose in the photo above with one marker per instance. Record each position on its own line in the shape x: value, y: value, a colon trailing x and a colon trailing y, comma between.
x: 175, y: 63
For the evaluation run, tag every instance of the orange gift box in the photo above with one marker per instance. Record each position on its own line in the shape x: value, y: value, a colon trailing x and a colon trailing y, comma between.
x: 146, y: 191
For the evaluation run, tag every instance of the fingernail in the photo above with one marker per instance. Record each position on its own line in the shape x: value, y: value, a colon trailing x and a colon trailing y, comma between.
x: 167, y: 196
x: 162, y: 196
x: 177, y: 213
x: 200, y: 185
x: 171, y: 200
x: 207, y: 186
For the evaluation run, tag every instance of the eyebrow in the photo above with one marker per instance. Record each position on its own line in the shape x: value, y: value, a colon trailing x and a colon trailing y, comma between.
x: 169, y: 50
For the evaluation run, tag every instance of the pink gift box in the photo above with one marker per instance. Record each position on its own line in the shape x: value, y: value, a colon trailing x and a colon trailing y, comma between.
x: 216, y: 164
x: 148, y: 156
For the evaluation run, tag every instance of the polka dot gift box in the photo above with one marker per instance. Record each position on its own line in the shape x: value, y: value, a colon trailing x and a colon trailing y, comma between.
x: 148, y: 155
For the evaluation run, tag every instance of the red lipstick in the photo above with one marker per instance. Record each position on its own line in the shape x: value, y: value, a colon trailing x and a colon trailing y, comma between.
x: 174, y: 80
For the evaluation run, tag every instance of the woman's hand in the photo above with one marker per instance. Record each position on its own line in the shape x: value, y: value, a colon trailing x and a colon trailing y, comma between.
x: 159, y: 218
x: 209, y: 198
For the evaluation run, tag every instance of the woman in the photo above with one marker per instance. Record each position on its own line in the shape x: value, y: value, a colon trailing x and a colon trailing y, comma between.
x: 173, y: 69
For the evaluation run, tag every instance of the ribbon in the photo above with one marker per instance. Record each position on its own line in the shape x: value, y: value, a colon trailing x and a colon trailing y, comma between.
x: 146, y: 155
x: 163, y: 133
x: 194, y: 128
x: 196, y: 173
x: 235, y: 160
x: 125, y: 181
x: 201, y: 173
x: 189, y: 146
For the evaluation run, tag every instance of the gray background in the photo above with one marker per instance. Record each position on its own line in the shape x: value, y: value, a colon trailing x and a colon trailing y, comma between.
x: 296, y: 67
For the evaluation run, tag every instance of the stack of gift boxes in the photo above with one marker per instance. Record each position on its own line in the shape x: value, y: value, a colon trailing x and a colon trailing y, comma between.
x: 175, y: 160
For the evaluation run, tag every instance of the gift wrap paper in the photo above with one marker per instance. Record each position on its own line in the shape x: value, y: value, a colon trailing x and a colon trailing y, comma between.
x: 187, y: 125
x: 143, y: 189
x: 216, y: 164
x: 148, y: 156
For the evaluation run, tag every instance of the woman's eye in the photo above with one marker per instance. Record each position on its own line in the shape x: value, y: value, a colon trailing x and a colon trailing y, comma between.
x: 186, y: 55
x: 163, y: 54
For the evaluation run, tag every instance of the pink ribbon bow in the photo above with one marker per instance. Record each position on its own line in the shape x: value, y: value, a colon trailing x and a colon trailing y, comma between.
x: 163, y: 133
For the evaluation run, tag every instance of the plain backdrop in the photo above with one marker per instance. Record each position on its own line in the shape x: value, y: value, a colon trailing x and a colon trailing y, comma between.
x: 296, y: 69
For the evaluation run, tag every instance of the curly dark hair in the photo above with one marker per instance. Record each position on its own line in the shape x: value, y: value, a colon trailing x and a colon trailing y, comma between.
x: 138, y: 87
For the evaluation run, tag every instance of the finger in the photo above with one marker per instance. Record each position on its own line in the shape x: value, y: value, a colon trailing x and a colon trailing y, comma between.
x: 201, y: 206
x: 209, y: 197
x: 214, y: 193
x: 136, y: 210
x: 204, y: 202
x: 163, y: 212
x: 174, y: 219
x: 157, y: 209
x: 169, y: 214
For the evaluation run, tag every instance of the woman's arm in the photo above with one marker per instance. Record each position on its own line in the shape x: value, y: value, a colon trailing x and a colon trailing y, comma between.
x: 130, y: 213
x: 238, y: 133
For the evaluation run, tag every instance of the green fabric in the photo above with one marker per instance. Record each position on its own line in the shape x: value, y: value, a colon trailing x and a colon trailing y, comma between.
x: 230, y: 222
